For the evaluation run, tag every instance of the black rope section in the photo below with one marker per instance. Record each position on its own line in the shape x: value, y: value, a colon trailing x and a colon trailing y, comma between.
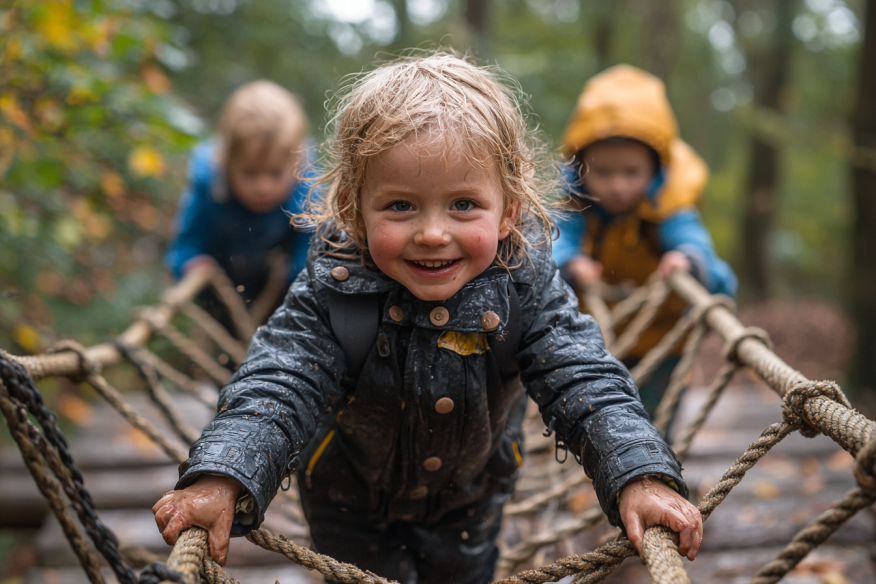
x: 21, y: 387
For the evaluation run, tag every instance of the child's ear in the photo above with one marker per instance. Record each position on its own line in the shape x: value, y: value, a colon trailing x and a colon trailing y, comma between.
x: 508, y: 220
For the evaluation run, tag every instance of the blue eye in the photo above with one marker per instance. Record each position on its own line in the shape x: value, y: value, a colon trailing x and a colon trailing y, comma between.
x: 463, y: 206
x: 401, y: 206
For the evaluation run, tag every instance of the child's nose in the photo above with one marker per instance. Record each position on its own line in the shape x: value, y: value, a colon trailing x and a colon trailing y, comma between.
x: 432, y: 234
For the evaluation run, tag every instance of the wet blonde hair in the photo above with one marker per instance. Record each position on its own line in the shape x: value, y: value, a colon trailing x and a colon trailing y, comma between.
x: 260, y: 112
x: 436, y: 93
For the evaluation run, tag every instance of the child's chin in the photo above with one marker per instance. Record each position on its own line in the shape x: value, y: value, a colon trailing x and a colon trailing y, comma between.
x: 433, y: 293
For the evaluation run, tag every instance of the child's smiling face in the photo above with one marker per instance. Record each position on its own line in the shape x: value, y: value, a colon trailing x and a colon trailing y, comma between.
x: 433, y: 220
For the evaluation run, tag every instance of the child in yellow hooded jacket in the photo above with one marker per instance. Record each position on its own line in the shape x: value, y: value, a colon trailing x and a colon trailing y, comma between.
x: 634, y: 188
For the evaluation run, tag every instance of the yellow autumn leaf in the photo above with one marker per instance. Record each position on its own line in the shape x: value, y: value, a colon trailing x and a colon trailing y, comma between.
x: 13, y: 112
x: 57, y: 28
x: 146, y: 161
x: 27, y: 337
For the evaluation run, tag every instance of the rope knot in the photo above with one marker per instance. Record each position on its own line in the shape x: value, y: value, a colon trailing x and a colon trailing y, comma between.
x: 88, y: 367
x: 865, y: 465
x: 794, y: 402
x: 731, y: 346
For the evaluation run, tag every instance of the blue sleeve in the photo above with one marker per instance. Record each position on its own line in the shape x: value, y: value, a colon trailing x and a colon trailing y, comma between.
x: 685, y: 232
x: 301, y: 239
x: 571, y: 224
x: 192, y: 218
x: 573, y: 228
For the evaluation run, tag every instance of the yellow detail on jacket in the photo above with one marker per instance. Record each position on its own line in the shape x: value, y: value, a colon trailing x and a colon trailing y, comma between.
x: 624, y: 101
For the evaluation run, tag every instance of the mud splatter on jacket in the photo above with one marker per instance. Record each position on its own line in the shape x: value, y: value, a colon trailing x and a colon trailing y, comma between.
x: 388, y: 425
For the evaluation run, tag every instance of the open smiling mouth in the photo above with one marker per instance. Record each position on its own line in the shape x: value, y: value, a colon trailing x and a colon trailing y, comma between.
x: 432, y: 265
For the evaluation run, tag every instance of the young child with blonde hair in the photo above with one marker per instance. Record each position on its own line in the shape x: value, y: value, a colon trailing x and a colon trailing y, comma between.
x: 395, y: 376
x: 243, y: 186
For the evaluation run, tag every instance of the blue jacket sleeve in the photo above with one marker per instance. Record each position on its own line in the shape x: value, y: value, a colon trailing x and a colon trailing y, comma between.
x: 573, y: 228
x: 684, y: 231
x: 192, y: 217
x: 300, y: 242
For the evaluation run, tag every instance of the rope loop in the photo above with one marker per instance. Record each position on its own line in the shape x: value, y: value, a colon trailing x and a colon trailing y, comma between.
x: 715, y: 301
x: 865, y: 465
x: 87, y: 367
x: 159, y: 572
x: 794, y: 402
x: 731, y: 346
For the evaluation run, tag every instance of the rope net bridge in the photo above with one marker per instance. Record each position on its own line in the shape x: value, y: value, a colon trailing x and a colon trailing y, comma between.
x: 809, y: 407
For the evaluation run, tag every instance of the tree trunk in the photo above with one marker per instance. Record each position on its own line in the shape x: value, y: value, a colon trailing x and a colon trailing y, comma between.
x: 604, y: 18
x: 661, y: 45
x: 769, y: 76
x: 477, y: 16
x: 863, y: 276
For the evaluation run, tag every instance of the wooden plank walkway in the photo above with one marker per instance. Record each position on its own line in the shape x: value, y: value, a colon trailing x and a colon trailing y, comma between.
x: 788, y: 488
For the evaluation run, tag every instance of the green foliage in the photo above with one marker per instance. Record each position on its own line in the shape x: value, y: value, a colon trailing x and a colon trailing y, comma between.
x: 90, y: 138
x: 94, y: 118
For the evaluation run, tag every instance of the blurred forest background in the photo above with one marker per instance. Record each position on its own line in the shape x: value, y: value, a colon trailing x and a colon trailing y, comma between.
x: 100, y: 102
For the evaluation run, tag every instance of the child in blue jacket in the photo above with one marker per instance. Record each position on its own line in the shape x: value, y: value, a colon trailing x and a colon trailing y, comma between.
x: 243, y: 187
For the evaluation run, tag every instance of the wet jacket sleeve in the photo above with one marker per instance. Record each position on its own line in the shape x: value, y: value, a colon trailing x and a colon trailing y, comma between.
x: 192, y: 218
x: 587, y: 396
x: 269, y: 411
x: 684, y: 231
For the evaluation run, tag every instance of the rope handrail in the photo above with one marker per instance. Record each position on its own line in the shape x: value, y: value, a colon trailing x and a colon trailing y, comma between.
x: 810, y: 407
x: 66, y: 364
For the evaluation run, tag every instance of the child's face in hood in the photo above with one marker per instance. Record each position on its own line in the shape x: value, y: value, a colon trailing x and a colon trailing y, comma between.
x: 433, y: 220
x: 618, y: 174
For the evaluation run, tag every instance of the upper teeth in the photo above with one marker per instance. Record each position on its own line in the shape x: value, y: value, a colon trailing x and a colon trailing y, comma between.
x: 437, y: 264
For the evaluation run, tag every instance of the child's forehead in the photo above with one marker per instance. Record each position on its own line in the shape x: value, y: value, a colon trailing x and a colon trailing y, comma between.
x: 263, y: 151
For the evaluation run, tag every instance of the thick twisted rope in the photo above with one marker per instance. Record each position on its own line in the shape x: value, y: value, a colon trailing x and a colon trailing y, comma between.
x: 603, y: 561
x: 660, y: 548
x: 21, y: 387
x: 678, y: 380
x: 716, y: 388
x: 16, y: 417
x: 226, y: 292
x: 814, y: 534
x: 215, y: 331
x: 657, y: 295
x: 328, y: 567
x: 190, y: 349
x: 157, y: 393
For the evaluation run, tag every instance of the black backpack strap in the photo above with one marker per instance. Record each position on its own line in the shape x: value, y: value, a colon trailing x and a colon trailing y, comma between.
x: 354, y: 318
x: 505, y: 350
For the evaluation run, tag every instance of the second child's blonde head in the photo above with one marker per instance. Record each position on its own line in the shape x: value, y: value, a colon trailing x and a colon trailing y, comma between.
x: 438, y: 94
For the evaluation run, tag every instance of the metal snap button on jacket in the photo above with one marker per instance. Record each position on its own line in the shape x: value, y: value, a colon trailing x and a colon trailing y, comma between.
x: 439, y: 316
x: 419, y: 492
x: 444, y: 405
x: 490, y: 321
x: 432, y: 463
x: 340, y: 273
x: 396, y: 313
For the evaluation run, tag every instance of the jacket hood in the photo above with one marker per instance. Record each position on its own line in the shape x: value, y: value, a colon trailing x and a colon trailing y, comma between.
x: 623, y: 101
x: 628, y: 102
